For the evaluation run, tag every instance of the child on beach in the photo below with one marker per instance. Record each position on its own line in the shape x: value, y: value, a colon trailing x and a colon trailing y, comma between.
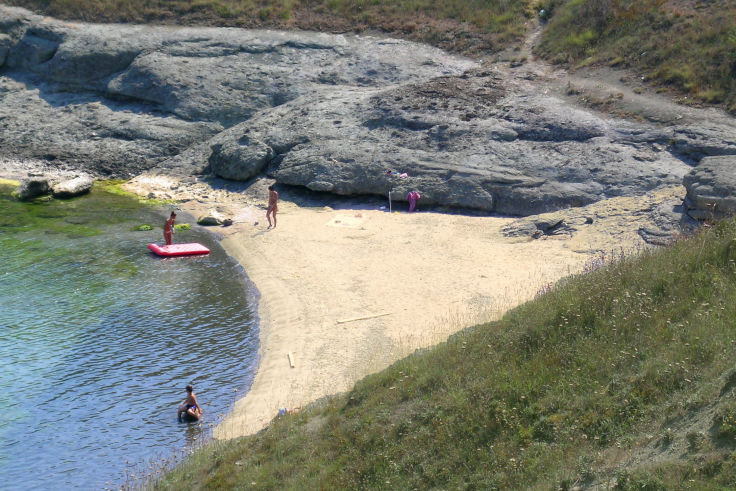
x: 273, y: 198
x: 412, y: 198
x: 169, y: 228
x: 190, y: 405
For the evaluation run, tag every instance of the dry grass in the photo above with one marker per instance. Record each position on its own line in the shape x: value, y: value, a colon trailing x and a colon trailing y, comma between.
x: 459, y: 25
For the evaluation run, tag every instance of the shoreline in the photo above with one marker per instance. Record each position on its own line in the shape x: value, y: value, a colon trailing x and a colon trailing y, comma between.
x: 353, y: 296
x: 347, y: 288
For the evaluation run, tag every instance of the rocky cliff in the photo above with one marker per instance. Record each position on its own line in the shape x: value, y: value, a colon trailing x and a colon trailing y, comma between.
x: 333, y: 113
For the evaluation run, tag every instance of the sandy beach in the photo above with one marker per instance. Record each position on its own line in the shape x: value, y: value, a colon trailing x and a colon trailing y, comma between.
x: 349, y: 288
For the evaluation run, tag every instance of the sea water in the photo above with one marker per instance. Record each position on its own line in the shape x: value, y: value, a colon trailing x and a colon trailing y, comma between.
x: 98, y: 338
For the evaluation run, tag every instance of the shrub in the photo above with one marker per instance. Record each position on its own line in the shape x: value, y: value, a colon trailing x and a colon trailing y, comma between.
x: 725, y: 421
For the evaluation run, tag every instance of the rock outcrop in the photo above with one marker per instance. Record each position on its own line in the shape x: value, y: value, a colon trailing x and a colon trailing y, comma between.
x: 119, y: 100
x: 331, y: 113
x: 711, y: 188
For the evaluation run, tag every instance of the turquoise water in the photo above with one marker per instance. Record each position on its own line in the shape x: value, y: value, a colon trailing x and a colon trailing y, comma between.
x: 98, y: 338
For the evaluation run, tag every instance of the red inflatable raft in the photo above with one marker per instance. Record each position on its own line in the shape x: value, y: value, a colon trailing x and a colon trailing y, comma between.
x: 178, y: 249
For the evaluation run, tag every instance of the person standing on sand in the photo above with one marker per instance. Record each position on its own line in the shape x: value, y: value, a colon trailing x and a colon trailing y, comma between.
x: 273, y: 198
x: 169, y: 228
x: 190, y: 405
x: 412, y: 198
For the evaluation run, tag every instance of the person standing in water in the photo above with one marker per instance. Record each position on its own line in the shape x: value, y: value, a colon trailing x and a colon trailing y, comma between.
x: 169, y: 228
x: 190, y: 405
x: 273, y: 198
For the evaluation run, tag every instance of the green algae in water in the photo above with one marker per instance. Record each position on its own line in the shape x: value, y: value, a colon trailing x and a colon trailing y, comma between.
x: 93, y: 321
x: 76, y: 217
x: 88, y: 215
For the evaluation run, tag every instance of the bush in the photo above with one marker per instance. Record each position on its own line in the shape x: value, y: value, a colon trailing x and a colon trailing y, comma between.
x: 725, y: 421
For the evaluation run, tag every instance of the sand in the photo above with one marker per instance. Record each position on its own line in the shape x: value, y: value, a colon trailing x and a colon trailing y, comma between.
x: 347, y: 290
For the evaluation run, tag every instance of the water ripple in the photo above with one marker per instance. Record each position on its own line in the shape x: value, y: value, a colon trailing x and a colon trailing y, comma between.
x: 98, y: 339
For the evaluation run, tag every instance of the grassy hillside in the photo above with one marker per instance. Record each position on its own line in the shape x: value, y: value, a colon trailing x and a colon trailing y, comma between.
x: 689, y: 45
x: 623, y: 376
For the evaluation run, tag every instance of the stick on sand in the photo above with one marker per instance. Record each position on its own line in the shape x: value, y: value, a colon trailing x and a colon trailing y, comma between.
x: 371, y: 316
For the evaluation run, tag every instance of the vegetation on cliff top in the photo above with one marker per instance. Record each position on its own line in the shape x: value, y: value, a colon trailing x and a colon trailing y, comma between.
x: 688, y: 45
x: 468, y: 26
x: 623, y: 376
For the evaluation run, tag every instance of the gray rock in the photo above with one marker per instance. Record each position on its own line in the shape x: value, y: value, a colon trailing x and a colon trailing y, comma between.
x: 33, y: 187
x: 711, y: 188
x: 667, y: 221
x: 240, y: 160
x: 322, y: 186
x: 331, y: 113
x: 35, y: 47
x: 209, y: 221
x: 118, y: 100
x: 536, y: 226
x: 516, y: 154
x: 522, y: 228
x: 72, y: 187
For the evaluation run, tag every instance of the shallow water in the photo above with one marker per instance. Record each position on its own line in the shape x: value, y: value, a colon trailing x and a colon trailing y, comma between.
x: 98, y: 338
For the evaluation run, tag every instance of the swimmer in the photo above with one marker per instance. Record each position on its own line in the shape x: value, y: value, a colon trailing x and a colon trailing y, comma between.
x: 190, y: 406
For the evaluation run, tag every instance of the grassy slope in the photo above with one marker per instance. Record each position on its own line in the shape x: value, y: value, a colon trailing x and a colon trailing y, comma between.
x: 564, y: 390
x: 688, y: 45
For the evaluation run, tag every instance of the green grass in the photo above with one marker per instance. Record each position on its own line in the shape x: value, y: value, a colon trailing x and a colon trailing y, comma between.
x: 560, y: 392
x: 689, y: 45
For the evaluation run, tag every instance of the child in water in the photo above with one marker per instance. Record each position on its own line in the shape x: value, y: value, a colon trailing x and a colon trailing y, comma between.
x: 190, y: 405
x: 169, y: 228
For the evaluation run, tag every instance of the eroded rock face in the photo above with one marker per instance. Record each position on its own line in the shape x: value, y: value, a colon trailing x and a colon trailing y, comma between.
x: 119, y: 100
x: 463, y: 141
x: 240, y: 160
x: 711, y: 188
x: 332, y: 113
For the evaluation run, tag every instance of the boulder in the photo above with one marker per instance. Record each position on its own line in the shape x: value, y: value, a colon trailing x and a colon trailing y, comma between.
x: 240, y: 160
x: 711, y: 188
x: 72, y: 187
x: 33, y: 187
x: 538, y: 225
x: 209, y: 221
